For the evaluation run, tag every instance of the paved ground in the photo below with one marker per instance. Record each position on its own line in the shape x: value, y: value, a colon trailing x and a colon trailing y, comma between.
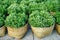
x: 30, y: 36
x: 53, y: 36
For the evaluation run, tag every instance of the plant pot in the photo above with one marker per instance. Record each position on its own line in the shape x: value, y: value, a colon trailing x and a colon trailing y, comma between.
x: 58, y: 28
x: 42, y: 32
x: 2, y: 31
x: 17, y: 32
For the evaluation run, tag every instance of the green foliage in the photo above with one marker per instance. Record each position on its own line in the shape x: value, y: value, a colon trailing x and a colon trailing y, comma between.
x: 28, y: 1
x: 38, y: 1
x: 25, y: 4
x: 2, y: 15
x: 2, y: 9
x: 41, y: 19
x: 57, y: 5
x: 1, y: 21
x: 52, y: 5
x: 32, y: 5
x: 13, y: 8
x: 24, y: 8
x: 7, y: 3
x: 17, y: 17
x: 37, y: 6
x: 57, y: 16
x: 16, y: 20
x: 16, y: 8
x: 14, y: 1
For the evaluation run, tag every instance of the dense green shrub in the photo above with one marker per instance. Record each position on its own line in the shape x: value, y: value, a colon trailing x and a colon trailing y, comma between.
x: 16, y: 20
x: 31, y: 5
x: 25, y: 5
x: 52, y: 5
x: 13, y: 8
x: 26, y: 2
x: 38, y: 1
x: 16, y: 8
x: 7, y: 3
x: 41, y: 19
x: 24, y: 8
x: 2, y: 9
x: 37, y: 6
x: 1, y: 21
x: 57, y: 16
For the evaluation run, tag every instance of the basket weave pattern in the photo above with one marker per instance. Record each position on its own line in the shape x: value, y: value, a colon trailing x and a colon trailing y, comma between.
x: 58, y: 28
x: 42, y: 32
x: 17, y: 32
x: 2, y: 31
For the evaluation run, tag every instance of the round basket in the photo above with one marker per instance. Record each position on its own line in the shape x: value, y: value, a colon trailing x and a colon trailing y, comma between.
x: 2, y: 31
x: 17, y: 32
x: 58, y: 28
x: 42, y: 32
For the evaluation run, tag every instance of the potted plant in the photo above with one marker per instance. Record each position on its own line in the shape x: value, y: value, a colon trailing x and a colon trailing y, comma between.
x: 57, y: 17
x: 16, y: 24
x: 42, y: 23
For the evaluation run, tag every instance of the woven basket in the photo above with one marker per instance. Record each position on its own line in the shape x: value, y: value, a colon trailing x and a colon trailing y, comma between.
x: 58, y: 28
x: 42, y: 32
x: 17, y: 32
x: 2, y: 31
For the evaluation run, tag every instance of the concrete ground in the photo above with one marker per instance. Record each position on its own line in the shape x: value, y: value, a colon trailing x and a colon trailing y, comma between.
x: 30, y: 36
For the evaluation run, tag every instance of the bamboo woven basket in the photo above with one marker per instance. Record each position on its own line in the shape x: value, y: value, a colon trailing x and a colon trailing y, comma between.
x: 58, y: 28
x: 17, y: 32
x: 2, y: 31
x: 42, y: 32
